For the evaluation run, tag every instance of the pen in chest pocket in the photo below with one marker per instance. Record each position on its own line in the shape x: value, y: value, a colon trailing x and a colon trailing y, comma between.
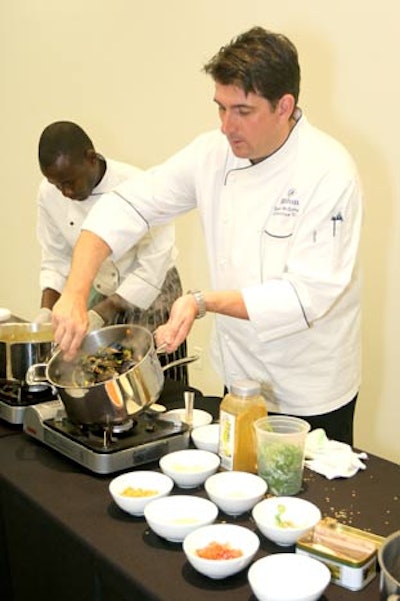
x: 335, y: 219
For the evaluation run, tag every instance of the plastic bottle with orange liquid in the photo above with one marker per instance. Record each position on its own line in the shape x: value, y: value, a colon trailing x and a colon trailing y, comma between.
x: 239, y: 409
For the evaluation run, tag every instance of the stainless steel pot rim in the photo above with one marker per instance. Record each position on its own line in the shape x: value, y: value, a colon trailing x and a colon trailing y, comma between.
x: 383, y: 550
x: 181, y: 361
x: 150, y: 350
x: 27, y: 328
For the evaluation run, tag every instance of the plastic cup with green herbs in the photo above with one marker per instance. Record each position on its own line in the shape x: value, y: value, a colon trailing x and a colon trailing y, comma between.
x: 280, y: 452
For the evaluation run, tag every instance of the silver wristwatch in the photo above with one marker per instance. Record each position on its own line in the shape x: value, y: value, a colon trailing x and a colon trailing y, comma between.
x: 201, y: 303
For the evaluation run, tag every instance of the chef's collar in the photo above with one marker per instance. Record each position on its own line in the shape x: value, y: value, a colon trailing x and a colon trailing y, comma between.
x: 297, y: 113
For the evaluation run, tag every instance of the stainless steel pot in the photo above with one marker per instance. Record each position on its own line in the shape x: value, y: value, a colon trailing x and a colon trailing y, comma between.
x: 112, y: 401
x: 389, y: 561
x: 22, y: 345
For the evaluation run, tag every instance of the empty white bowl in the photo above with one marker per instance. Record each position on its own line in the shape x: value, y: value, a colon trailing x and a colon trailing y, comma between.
x: 235, y: 492
x: 132, y: 491
x: 217, y: 540
x: 190, y: 467
x: 288, y: 577
x: 285, y: 519
x: 206, y: 437
x: 175, y: 516
x: 200, y: 417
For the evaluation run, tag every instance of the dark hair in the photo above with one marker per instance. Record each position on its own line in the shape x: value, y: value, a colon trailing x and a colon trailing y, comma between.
x: 258, y: 61
x: 62, y: 138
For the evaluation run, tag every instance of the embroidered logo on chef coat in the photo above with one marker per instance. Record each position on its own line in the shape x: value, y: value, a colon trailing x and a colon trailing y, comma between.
x: 287, y: 206
x: 280, y: 222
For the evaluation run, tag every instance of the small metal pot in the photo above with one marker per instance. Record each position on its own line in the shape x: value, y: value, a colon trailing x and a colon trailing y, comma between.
x: 389, y: 561
x: 22, y: 345
x: 113, y: 401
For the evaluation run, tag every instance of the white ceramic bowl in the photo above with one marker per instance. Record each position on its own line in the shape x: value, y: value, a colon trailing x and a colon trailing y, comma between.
x: 227, y: 535
x: 189, y: 468
x: 235, y: 492
x: 288, y: 577
x: 158, y: 484
x: 175, y: 516
x: 200, y: 417
x: 206, y: 437
x: 285, y: 519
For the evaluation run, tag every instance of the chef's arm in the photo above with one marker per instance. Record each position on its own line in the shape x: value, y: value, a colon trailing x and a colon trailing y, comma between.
x: 110, y: 307
x: 226, y: 302
x: 49, y: 298
x: 152, y: 257
x: 69, y: 318
x: 186, y: 309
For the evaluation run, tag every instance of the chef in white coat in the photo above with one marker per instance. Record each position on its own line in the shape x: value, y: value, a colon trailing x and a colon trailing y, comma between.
x: 141, y: 285
x: 281, y: 207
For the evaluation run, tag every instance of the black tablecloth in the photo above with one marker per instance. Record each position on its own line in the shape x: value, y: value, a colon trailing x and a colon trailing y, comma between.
x: 9, y: 429
x: 63, y: 538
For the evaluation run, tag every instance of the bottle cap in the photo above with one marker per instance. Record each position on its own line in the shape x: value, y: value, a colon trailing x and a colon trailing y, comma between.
x: 245, y: 388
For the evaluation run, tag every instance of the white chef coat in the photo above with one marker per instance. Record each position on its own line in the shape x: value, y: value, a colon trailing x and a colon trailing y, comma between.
x: 286, y: 233
x: 137, y: 275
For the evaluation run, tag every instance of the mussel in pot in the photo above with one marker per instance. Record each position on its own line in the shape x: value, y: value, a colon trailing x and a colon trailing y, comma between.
x: 107, y: 363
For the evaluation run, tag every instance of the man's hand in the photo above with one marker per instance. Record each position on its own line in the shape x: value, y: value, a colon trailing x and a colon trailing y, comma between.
x: 70, y: 320
x: 43, y: 316
x: 185, y: 310
x: 95, y: 321
x: 70, y: 323
x: 108, y: 309
x: 183, y: 313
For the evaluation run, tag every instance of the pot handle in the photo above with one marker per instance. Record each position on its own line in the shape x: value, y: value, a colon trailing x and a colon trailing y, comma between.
x: 36, y: 374
x: 161, y: 349
x: 182, y: 361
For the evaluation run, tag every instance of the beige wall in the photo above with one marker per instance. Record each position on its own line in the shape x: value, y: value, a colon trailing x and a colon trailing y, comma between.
x: 130, y: 73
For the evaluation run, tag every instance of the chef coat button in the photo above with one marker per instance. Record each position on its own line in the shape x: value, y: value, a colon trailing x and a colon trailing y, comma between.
x: 71, y: 223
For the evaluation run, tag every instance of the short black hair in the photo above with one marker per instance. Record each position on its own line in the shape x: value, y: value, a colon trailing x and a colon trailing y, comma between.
x: 258, y: 61
x: 62, y: 138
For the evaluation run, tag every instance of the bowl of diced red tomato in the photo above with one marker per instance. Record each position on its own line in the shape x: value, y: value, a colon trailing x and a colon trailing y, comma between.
x: 220, y: 550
